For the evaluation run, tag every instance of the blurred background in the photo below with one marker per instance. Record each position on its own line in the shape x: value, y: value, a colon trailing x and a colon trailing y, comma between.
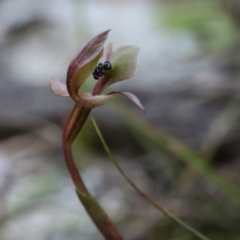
x: 184, y: 151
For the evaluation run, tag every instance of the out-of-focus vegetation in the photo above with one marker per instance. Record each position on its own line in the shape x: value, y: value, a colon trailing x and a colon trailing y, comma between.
x: 209, y: 21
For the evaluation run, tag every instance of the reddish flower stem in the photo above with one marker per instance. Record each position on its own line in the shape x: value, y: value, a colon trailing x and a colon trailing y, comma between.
x: 73, y: 126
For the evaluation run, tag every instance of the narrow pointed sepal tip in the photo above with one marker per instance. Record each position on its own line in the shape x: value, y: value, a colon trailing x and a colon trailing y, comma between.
x: 131, y: 97
x: 109, y: 51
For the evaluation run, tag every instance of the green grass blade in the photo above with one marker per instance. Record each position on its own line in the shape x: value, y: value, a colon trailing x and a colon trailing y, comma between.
x: 151, y: 201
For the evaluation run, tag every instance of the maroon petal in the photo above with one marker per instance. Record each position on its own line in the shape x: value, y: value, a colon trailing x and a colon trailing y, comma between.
x: 83, y: 64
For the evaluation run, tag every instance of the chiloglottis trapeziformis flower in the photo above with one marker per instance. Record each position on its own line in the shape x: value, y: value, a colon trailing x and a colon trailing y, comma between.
x: 123, y: 66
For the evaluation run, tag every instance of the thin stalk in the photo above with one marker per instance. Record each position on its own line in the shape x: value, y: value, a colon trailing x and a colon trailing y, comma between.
x: 151, y: 201
x: 73, y: 126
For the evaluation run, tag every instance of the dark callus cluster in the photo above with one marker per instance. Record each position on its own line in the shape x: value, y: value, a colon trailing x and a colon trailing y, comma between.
x: 100, y: 69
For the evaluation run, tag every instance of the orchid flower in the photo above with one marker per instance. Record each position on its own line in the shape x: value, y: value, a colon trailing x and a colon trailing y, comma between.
x: 124, y: 65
